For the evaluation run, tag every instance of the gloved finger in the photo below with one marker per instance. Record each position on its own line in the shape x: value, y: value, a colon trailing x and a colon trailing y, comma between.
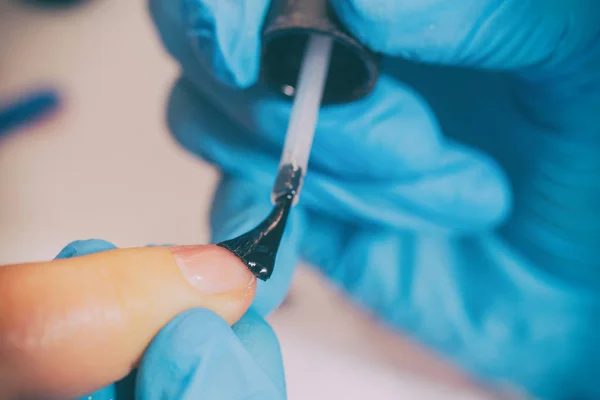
x: 225, y: 34
x: 465, y: 191
x: 84, y: 247
x: 260, y: 341
x: 473, y: 300
x: 198, y: 356
x: 482, y: 33
x: 77, y: 324
x: 27, y: 109
x: 239, y: 206
x: 553, y: 162
x: 394, y: 111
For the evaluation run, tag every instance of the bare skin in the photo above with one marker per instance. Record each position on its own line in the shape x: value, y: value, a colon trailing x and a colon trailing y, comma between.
x: 69, y: 327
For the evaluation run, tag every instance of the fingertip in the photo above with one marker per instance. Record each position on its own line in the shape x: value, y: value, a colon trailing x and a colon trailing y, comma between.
x: 259, y: 339
x: 197, y: 355
x: 499, y: 197
x: 226, y: 35
x: 84, y: 247
x: 217, y: 274
x: 375, y: 137
x: 487, y: 192
x: 176, y: 351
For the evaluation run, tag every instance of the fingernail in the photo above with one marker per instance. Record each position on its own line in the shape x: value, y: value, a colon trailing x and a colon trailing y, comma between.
x: 211, y: 269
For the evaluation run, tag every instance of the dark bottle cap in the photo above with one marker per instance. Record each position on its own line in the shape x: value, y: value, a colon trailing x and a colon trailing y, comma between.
x: 353, y: 68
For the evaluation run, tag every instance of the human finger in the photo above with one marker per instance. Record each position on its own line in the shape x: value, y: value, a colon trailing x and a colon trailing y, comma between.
x: 74, y: 325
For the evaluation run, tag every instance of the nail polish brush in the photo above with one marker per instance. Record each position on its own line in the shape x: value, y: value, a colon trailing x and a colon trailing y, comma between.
x: 258, y: 247
x: 309, y: 56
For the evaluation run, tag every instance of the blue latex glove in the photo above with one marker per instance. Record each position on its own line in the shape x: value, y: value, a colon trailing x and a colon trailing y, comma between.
x: 460, y: 202
x: 198, y: 356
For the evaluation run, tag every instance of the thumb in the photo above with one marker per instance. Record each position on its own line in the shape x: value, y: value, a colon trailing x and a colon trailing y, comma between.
x: 70, y: 326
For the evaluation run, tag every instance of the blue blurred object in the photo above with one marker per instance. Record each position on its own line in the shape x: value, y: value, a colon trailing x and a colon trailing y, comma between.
x: 459, y: 202
x: 198, y: 356
x: 26, y: 110
x: 54, y: 3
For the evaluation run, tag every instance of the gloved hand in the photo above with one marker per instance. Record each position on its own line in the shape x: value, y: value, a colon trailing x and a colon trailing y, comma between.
x: 459, y: 202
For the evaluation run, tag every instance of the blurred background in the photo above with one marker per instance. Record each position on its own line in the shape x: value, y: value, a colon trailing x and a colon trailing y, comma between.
x: 104, y: 166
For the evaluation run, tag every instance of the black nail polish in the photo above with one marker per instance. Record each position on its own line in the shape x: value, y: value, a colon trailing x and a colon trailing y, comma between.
x: 258, y: 247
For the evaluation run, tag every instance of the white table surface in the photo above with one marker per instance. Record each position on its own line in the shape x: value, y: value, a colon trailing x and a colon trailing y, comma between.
x: 107, y: 168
